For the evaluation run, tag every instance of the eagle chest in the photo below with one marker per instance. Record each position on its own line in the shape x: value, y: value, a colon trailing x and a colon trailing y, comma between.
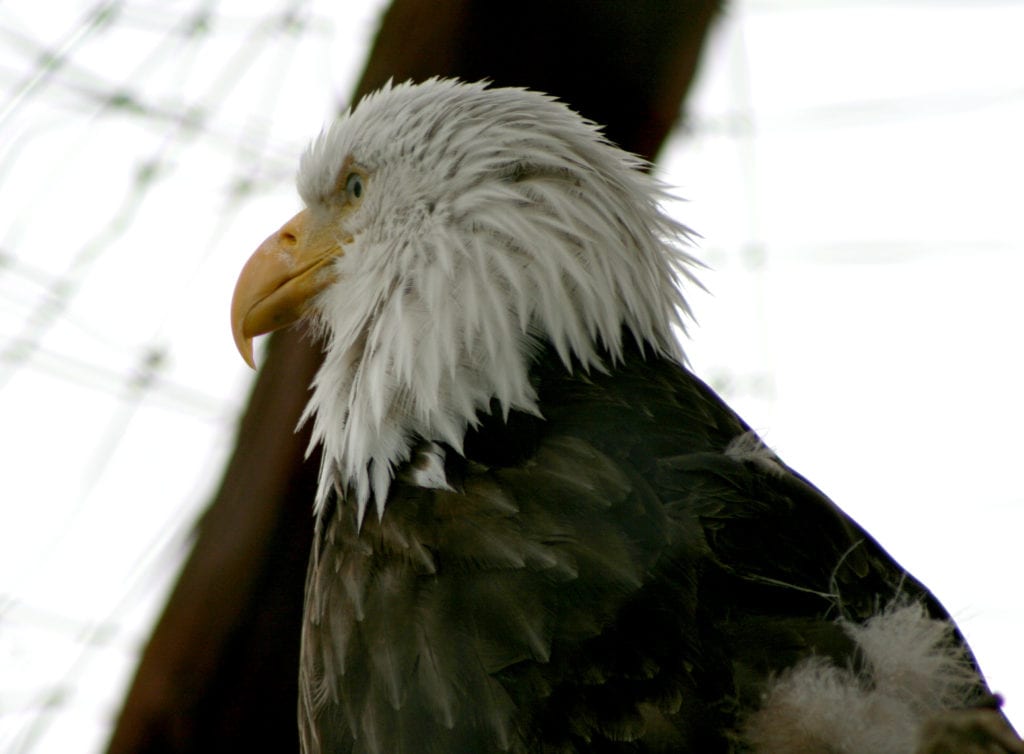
x: 506, y: 605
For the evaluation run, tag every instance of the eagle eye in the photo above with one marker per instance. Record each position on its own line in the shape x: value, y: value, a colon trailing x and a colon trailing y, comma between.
x: 354, y: 188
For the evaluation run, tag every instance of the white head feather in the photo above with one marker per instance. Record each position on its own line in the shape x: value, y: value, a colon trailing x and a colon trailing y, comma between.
x: 492, y: 220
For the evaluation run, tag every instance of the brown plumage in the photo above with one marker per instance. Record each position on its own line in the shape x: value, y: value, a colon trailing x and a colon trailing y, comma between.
x: 573, y: 544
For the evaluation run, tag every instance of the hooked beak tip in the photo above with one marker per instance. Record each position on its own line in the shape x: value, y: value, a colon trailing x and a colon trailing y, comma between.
x: 245, y: 349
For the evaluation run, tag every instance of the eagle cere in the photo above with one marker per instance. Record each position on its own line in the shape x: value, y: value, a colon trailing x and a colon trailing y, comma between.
x: 575, y: 545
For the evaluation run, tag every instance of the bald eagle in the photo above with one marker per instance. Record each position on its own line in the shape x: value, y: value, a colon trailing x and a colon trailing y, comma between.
x: 536, y: 530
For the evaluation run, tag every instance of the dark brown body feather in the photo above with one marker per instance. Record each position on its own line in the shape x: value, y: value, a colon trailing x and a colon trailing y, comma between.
x: 607, y: 579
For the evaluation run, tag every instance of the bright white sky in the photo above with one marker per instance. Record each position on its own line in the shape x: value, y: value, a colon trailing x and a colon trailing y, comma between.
x: 854, y: 169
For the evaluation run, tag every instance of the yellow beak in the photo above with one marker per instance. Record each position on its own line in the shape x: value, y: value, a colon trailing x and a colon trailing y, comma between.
x: 278, y: 282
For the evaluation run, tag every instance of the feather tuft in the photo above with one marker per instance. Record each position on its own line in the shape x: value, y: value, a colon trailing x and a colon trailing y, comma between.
x: 913, y: 670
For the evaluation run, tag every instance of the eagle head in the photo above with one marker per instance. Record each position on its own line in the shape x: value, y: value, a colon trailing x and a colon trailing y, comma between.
x: 449, y: 230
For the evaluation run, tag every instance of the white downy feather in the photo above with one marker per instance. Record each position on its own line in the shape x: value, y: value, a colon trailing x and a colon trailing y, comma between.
x: 913, y: 669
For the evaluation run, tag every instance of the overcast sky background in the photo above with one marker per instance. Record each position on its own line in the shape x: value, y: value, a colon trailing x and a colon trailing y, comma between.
x: 855, y: 171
